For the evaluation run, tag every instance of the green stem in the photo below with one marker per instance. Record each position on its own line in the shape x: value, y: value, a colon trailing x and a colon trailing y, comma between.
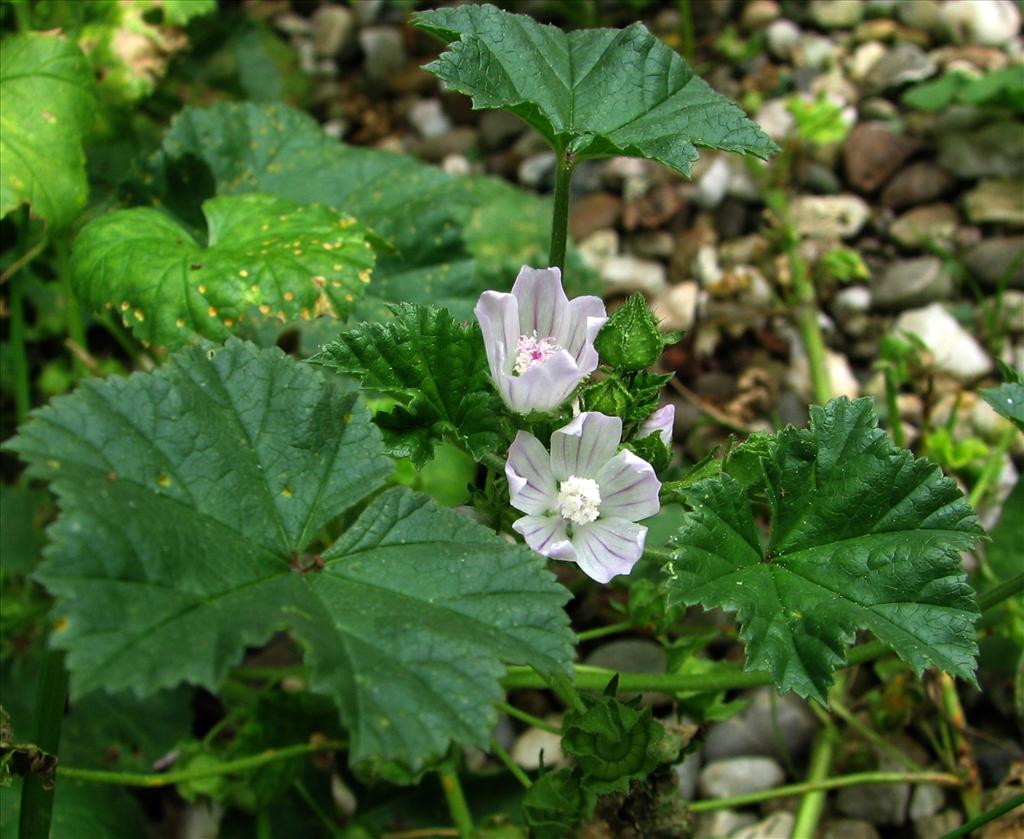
x: 164, y: 779
x: 993, y: 466
x: 19, y: 357
x: 529, y: 719
x: 510, y: 765
x: 603, y: 631
x: 1004, y: 591
x: 566, y: 689
x: 970, y: 792
x: 318, y: 811
x: 47, y: 720
x: 457, y: 805
x: 686, y: 37
x: 872, y: 736
x: 856, y: 779
x: 560, y: 215
x: 73, y: 312
x: 892, y: 401
x: 22, y: 15
x: 813, y: 803
x: 806, y: 315
x: 969, y: 827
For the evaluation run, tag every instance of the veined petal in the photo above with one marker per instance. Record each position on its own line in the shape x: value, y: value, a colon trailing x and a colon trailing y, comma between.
x: 498, y: 316
x: 585, y: 445
x: 546, y: 535
x: 660, y: 422
x: 586, y: 317
x: 608, y: 547
x: 629, y: 488
x: 543, y: 306
x: 531, y: 486
x: 542, y: 387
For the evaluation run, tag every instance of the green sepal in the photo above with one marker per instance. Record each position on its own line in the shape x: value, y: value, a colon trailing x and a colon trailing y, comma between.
x: 631, y: 339
x: 633, y: 397
x: 652, y: 449
x: 557, y: 805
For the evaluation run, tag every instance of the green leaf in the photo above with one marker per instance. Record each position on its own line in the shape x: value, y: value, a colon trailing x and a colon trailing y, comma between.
x: 1007, y: 545
x: 196, y: 503
x: 180, y: 12
x: 1008, y: 398
x: 633, y: 396
x: 264, y: 256
x: 936, y: 94
x: 614, y: 744
x: 46, y: 86
x: 80, y: 811
x: 591, y: 92
x: 863, y: 536
x: 437, y: 370
x: 630, y: 340
x: 557, y: 805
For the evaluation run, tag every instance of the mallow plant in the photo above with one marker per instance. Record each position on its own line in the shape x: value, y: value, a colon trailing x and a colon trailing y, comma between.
x: 234, y: 500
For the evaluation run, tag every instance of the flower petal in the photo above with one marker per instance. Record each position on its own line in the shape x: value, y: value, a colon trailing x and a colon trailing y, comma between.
x: 531, y: 486
x: 498, y: 315
x: 585, y: 445
x: 546, y: 535
x: 543, y: 306
x: 629, y: 488
x: 586, y: 317
x: 542, y: 387
x: 608, y: 547
x: 660, y: 422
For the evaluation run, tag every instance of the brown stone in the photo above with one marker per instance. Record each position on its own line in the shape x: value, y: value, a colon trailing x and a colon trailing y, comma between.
x: 917, y: 184
x: 654, y: 210
x: 593, y: 212
x: 872, y: 152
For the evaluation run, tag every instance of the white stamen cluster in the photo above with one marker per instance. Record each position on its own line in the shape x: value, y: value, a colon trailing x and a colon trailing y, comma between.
x: 532, y: 350
x: 579, y: 499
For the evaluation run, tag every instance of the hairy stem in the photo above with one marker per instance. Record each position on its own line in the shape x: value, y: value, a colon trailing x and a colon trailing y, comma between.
x: 457, y: 805
x: 856, y: 779
x: 893, y: 404
x: 47, y: 720
x: 510, y: 765
x: 993, y: 466
x: 560, y: 215
x: 813, y: 803
x: 806, y: 315
x: 970, y: 792
x: 969, y: 827
x: 1004, y: 591
x: 603, y: 631
x: 529, y: 719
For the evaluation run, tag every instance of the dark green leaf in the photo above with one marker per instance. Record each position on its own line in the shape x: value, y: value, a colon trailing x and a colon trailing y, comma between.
x: 436, y: 368
x: 46, y: 86
x: 194, y: 501
x: 863, y: 536
x: 591, y: 92
x: 1008, y: 398
x: 80, y: 811
x: 265, y: 256
x: 557, y: 804
x: 1007, y: 546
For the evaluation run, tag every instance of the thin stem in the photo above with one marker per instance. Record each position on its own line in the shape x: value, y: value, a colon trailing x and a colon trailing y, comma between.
x: 560, y: 215
x: 856, y: 779
x: 19, y: 357
x: 603, y: 631
x: 510, y: 765
x: 165, y: 779
x: 686, y: 38
x: 24, y: 259
x: 806, y: 315
x: 993, y: 466
x: 318, y: 811
x: 566, y: 689
x: 872, y: 736
x: 457, y: 805
x: 1004, y: 591
x: 813, y: 803
x: 72, y: 311
x: 597, y: 678
x: 529, y: 719
x: 970, y: 792
x: 893, y: 403
x: 969, y: 827
x: 47, y: 720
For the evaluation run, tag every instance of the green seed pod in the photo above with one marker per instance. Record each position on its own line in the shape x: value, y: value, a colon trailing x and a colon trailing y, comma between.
x: 631, y: 339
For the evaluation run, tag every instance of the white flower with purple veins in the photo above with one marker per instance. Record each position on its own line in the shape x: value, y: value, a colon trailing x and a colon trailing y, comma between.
x: 539, y: 344
x: 661, y: 423
x: 582, y: 501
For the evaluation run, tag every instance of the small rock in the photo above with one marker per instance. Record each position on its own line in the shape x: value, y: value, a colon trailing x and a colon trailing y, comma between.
x: 777, y: 825
x: 920, y: 14
x: 988, y: 24
x: 863, y: 59
x: 632, y: 655
x: 427, y: 116
x: 924, y: 225
x: 335, y: 128
x: 652, y: 210
x: 998, y: 260
x: 917, y: 184
x: 653, y: 244
x: 997, y: 200
x: 876, y: 803
x: 597, y: 248
x: 994, y: 149
x: 538, y: 170
x: 720, y: 823
x: 829, y: 216
x: 848, y: 829
x: 676, y: 309
x: 687, y: 772
x: 815, y: 51
x: 836, y: 14
x: 759, y: 13
x: 900, y: 65
x: 775, y: 119
x: 333, y: 29
x: 383, y: 50
x: 912, y: 282
x: 972, y: 60
x: 458, y: 140
x: 526, y: 751
x: 705, y: 266
x: 926, y: 800
x: 294, y: 25
x: 369, y: 11
x: 744, y: 250
x: 739, y: 775
x: 499, y: 128
x: 937, y: 826
x: 712, y: 186
x: 955, y: 351
x: 854, y: 300
x: 593, y: 212
x: 456, y: 165
x: 844, y: 382
x: 877, y: 29
x: 782, y: 37
x: 624, y: 274
x: 878, y: 108
x: 872, y: 152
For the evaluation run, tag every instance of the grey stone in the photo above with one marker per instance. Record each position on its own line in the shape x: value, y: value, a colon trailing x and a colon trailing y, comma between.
x: 815, y: 51
x: 912, y: 282
x: 848, y: 829
x: 876, y: 803
x: 383, y: 50
x: 538, y: 170
x: 687, y: 772
x: 994, y: 149
x: 853, y: 300
x: 863, y: 59
x: 988, y: 24
x: 917, y: 184
x: 526, y: 751
x: 333, y: 30
x: 627, y: 273
x: 955, y: 351
x: 739, y: 775
x: 937, y: 826
x: 631, y: 655
x: 903, y: 63
x: 872, y: 152
x: 997, y: 200
x: 653, y: 244
x: 926, y: 800
x: 427, y: 116
x: 712, y: 186
x: 759, y: 13
x: 499, y: 128
x: 771, y: 725
x: 926, y: 225
x: 720, y: 823
x: 776, y: 826
x: 997, y: 260
x: 829, y: 216
x: 837, y: 14
x: 920, y: 14
x: 676, y: 309
x: 775, y: 119
x: 782, y: 36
